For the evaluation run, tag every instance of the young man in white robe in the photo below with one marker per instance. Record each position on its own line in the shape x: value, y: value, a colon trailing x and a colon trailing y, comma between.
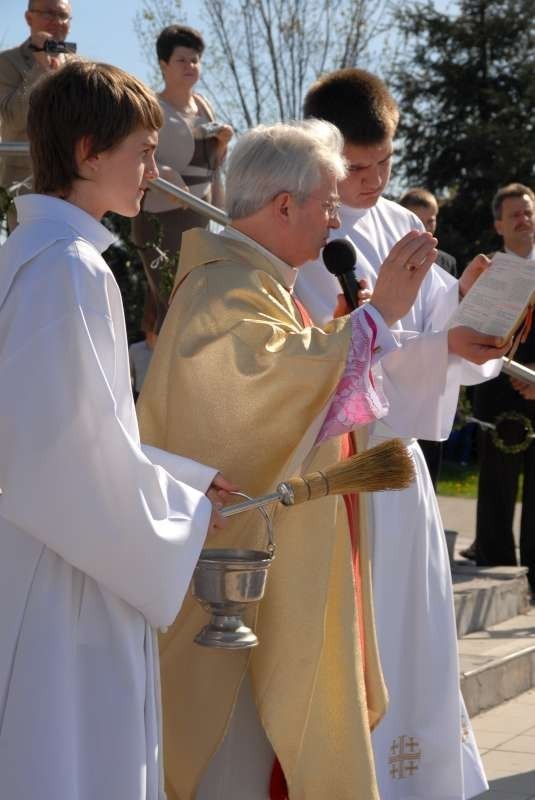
x: 424, y: 749
x: 98, y: 536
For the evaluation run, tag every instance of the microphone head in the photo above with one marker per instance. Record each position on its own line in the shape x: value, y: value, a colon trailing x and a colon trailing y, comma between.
x: 340, y: 256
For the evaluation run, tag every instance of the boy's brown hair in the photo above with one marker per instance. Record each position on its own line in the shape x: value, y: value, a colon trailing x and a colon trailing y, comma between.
x: 357, y: 102
x: 83, y: 100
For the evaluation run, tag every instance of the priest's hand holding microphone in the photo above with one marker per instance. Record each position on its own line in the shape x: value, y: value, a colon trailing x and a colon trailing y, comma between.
x: 395, y: 291
x: 399, y: 279
x: 398, y: 283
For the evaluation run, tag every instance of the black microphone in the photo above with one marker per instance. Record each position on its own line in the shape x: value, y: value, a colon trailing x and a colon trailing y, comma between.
x: 340, y: 258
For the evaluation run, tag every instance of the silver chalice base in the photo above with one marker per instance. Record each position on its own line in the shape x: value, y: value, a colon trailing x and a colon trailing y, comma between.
x: 225, y: 583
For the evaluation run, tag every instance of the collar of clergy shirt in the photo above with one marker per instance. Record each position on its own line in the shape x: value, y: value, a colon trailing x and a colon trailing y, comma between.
x: 286, y: 273
x: 44, y: 208
x: 43, y: 221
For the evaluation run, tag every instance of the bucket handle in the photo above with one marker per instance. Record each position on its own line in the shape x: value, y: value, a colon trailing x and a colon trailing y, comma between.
x: 269, y: 524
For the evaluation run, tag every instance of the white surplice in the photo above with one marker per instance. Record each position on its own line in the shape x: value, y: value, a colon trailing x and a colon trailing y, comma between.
x: 424, y: 748
x: 97, y: 544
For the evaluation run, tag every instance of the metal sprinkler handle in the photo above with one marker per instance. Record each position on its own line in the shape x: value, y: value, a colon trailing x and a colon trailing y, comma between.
x: 284, y: 495
x: 252, y: 503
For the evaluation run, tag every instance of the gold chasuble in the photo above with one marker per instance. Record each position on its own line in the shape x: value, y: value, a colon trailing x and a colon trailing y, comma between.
x: 237, y: 381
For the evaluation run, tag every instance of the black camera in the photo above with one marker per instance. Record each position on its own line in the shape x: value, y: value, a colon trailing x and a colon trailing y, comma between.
x: 52, y: 47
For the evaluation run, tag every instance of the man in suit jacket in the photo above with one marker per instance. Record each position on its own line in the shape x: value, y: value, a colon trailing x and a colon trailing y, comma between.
x: 20, y: 68
x: 513, y: 209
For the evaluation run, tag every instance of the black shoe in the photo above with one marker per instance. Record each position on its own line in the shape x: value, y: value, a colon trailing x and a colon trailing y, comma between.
x: 469, y: 552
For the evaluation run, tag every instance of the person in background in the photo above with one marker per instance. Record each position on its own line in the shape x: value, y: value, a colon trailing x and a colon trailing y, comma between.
x: 513, y: 209
x: 424, y: 204
x: 191, y: 150
x: 20, y: 68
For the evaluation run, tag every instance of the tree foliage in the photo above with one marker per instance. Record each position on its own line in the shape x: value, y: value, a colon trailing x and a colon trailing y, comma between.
x: 262, y: 55
x: 466, y: 90
x: 149, y: 20
x: 124, y: 260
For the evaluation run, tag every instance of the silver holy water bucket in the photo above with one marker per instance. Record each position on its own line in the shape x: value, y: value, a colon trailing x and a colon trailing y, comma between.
x: 225, y: 582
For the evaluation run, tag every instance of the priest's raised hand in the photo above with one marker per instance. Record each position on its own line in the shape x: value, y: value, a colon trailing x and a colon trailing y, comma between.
x: 402, y: 274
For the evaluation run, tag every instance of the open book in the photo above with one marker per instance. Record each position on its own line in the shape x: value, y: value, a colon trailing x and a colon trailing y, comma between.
x: 499, y: 300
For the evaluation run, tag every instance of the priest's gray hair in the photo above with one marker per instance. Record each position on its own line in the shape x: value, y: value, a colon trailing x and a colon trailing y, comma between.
x: 287, y: 157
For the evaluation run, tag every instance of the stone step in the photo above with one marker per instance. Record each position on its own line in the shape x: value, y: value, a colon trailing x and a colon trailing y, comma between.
x: 486, y: 596
x: 499, y: 663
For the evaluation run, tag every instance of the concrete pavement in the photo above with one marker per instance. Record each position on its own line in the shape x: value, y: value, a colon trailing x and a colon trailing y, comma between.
x: 459, y: 514
x: 506, y: 738
x: 505, y: 734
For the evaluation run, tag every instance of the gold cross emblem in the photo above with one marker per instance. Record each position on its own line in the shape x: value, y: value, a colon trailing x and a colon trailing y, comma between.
x: 405, y: 754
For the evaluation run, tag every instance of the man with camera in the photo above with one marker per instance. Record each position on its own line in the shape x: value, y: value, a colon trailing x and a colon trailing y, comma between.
x: 20, y: 67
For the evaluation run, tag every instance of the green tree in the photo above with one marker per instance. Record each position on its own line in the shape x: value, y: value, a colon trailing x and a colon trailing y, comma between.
x: 466, y: 90
x: 124, y: 261
x: 150, y: 18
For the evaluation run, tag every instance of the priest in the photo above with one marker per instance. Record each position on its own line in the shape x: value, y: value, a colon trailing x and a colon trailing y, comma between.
x: 240, y: 374
x: 425, y: 749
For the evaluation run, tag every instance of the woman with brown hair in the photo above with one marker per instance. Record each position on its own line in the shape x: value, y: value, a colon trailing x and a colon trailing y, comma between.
x: 191, y: 149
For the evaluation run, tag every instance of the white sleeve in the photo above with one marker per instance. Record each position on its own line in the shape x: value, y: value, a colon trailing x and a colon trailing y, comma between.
x: 74, y: 479
x: 441, y: 302
x: 421, y: 380
x: 384, y: 339
x: 421, y: 383
x: 183, y: 469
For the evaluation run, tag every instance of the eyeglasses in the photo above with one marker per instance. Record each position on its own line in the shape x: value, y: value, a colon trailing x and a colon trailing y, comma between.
x: 52, y: 16
x: 332, y: 207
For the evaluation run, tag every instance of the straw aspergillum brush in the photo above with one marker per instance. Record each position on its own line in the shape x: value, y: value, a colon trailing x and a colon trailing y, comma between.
x: 384, y: 467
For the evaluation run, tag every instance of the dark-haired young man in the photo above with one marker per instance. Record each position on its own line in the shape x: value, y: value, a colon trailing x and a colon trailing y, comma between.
x: 424, y: 749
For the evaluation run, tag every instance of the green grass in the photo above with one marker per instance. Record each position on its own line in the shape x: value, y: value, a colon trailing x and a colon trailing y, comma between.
x: 457, y: 481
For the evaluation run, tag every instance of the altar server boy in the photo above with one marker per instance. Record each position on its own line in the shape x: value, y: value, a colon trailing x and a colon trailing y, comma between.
x: 98, y: 535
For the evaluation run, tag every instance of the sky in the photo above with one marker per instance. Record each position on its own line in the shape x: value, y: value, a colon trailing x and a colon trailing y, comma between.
x: 103, y: 29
